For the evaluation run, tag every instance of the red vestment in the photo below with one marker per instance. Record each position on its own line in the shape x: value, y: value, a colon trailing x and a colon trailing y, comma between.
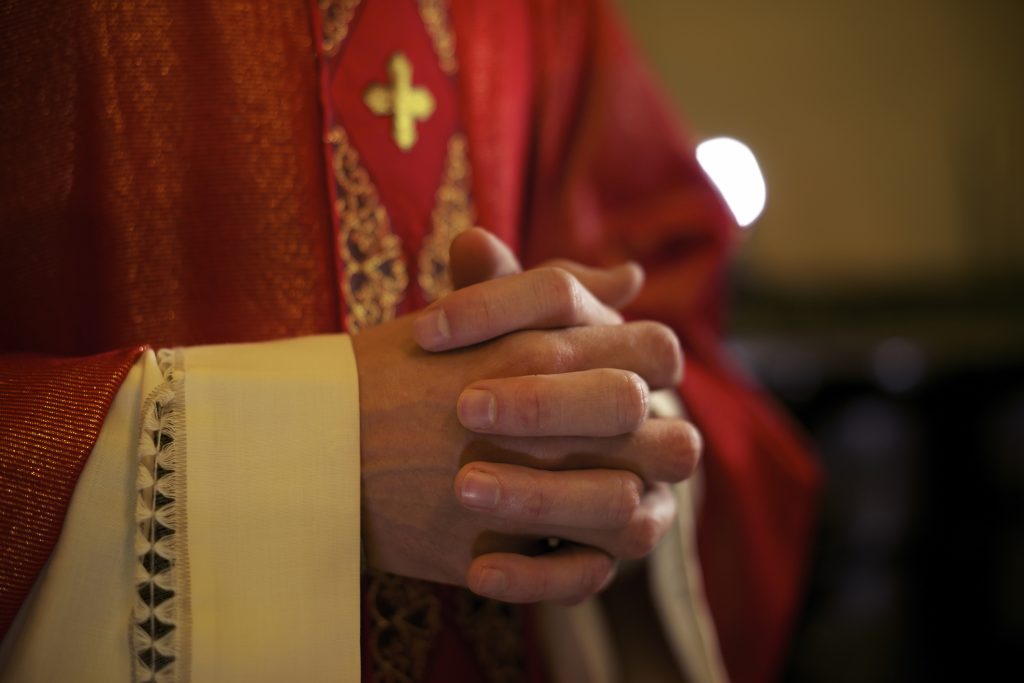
x: 165, y: 182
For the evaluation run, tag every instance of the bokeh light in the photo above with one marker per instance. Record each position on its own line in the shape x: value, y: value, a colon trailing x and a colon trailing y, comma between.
x: 734, y: 170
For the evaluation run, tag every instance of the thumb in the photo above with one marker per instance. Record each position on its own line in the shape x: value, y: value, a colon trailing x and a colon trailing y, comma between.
x: 477, y: 256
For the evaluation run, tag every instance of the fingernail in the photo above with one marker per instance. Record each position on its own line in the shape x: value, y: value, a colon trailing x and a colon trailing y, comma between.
x: 477, y: 409
x: 491, y: 582
x: 431, y: 329
x: 480, y: 490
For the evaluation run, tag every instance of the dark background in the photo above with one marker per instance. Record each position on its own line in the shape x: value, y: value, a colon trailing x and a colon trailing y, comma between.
x: 881, y: 298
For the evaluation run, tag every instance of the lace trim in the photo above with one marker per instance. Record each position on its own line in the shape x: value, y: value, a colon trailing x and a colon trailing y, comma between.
x: 336, y: 18
x: 435, y: 18
x: 159, y: 617
x: 375, y: 276
x: 453, y: 213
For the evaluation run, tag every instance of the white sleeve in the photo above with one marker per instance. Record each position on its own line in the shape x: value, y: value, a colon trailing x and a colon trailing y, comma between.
x: 222, y: 545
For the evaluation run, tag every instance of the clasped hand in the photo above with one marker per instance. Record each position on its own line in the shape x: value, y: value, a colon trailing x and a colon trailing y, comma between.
x: 527, y: 397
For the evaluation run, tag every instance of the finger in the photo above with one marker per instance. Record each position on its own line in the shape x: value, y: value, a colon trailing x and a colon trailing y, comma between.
x: 652, y: 519
x: 477, y: 256
x: 607, y: 509
x: 527, y: 500
x: 537, y: 299
x: 568, y: 575
x: 661, y: 450
x: 600, y: 402
x: 614, y: 287
x: 647, y: 348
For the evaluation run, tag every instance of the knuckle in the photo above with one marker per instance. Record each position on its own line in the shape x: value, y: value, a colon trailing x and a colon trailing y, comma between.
x: 536, y: 504
x: 487, y: 316
x: 531, y: 411
x: 547, y: 352
x: 694, y: 446
x: 565, y: 294
x: 685, y: 446
x: 644, y: 534
x: 626, y: 501
x: 632, y: 400
x: 562, y: 354
x: 666, y: 350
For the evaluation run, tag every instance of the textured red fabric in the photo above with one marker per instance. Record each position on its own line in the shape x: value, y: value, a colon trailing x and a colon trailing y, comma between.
x: 495, y: 43
x: 161, y: 176
x: 51, y: 412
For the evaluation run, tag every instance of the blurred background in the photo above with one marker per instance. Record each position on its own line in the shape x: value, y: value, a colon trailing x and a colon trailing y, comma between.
x: 880, y: 296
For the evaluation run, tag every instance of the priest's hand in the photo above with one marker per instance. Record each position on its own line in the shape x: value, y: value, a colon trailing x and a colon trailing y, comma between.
x: 601, y: 504
x: 584, y: 378
x: 478, y: 256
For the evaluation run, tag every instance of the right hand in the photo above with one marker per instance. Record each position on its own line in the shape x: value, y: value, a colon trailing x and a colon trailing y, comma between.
x: 413, y: 443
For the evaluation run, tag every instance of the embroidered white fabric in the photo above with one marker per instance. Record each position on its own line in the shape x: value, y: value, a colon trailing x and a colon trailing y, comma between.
x: 160, y: 614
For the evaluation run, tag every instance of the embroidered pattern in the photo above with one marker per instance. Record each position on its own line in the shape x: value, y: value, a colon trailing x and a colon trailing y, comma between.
x: 336, y: 17
x: 435, y: 18
x: 495, y: 630
x: 405, y: 620
x: 375, y: 275
x: 453, y: 214
x: 406, y: 104
x: 161, y: 601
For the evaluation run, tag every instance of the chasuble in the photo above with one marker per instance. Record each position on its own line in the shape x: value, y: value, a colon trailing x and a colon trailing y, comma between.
x: 230, y: 178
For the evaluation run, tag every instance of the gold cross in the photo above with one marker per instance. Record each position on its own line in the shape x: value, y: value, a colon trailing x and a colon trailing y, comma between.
x: 403, y: 101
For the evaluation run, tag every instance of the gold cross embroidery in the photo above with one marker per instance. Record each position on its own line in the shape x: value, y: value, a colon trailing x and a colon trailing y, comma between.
x: 403, y: 101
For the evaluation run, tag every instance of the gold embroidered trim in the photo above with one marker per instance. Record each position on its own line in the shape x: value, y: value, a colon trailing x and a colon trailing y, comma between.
x: 336, y: 16
x: 375, y: 275
x: 495, y: 630
x: 453, y: 214
x: 405, y: 621
x: 435, y: 17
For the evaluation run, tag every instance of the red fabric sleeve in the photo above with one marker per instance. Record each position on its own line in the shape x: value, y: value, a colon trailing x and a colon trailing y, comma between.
x: 51, y: 413
x: 616, y: 179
